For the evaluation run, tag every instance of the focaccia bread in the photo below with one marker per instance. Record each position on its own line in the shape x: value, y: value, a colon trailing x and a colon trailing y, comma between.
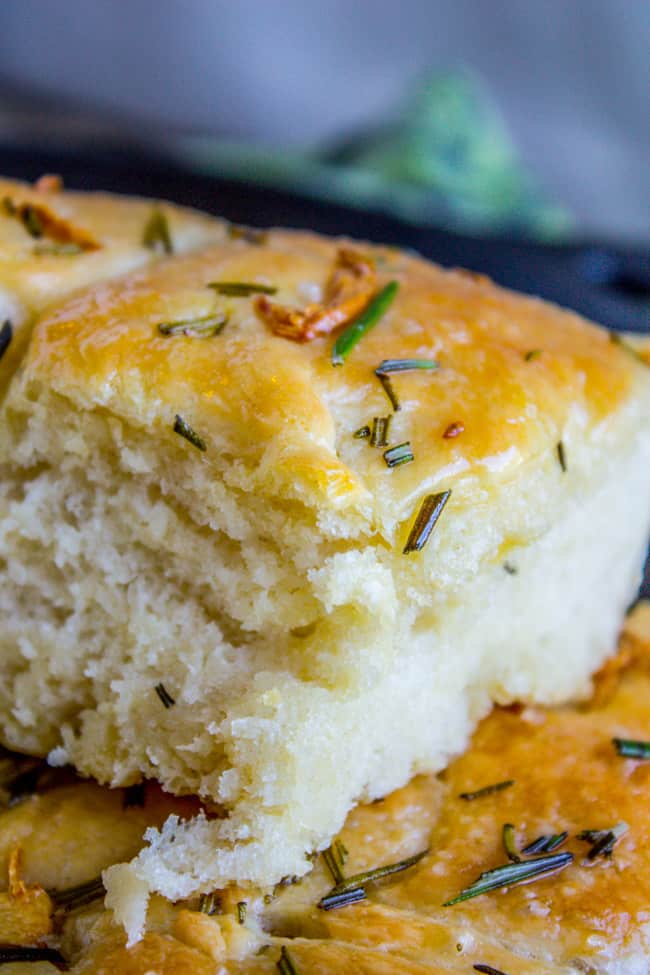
x: 53, y: 241
x: 213, y: 577
x: 560, y: 775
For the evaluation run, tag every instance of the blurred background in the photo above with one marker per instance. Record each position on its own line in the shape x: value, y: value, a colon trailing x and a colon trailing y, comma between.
x: 503, y: 115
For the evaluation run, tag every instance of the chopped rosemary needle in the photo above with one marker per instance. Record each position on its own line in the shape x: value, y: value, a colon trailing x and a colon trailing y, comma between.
x: 210, y: 904
x: 19, y: 953
x: 185, y: 430
x: 561, y: 456
x: 387, y: 366
x: 70, y: 898
x: 532, y: 354
x: 389, y: 389
x: 285, y: 963
x: 510, y: 843
x: 425, y: 521
x: 361, y: 434
x: 487, y: 790
x: 6, y: 335
x: 512, y: 874
x: 398, y: 455
x: 487, y: 969
x: 335, y: 857
x: 359, y: 880
x: 242, y: 910
x: 603, y: 840
x: 164, y: 695
x: 380, y: 430
x: 202, y: 327
x: 545, y: 844
x: 374, y: 310
x: 332, y: 900
x: 241, y: 289
x: 156, y: 235
x: 631, y: 748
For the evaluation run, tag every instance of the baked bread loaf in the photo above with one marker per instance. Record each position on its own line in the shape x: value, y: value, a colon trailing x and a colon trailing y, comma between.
x: 53, y: 242
x: 566, y: 776
x: 214, y: 576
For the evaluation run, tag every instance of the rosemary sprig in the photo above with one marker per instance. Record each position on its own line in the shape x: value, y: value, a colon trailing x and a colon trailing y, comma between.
x: 632, y: 748
x: 375, y: 309
x: 210, y: 904
x: 285, y: 963
x: 185, y: 430
x: 510, y: 843
x: 362, y: 433
x: 380, y: 430
x: 164, y: 695
x: 425, y: 521
x: 156, y: 235
x: 512, y: 874
x: 252, y: 235
x: 387, y: 366
x: 561, y: 455
x: 487, y: 969
x: 335, y: 858
x: 19, y: 953
x: 360, y: 880
x: 399, y: 454
x: 487, y: 790
x: 545, y: 844
x: 6, y: 335
x: 603, y: 840
x: 203, y: 327
x: 242, y: 911
x: 70, y: 898
x: 241, y: 289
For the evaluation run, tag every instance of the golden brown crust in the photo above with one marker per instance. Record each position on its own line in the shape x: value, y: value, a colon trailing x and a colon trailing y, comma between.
x: 567, y: 775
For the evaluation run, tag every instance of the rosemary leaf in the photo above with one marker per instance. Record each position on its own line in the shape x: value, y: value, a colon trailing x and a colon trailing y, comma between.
x: 603, y: 840
x: 487, y: 969
x: 185, y: 430
x: 335, y: 857
x: 387, y: 366
x: 164, y: 695
x: 512, y: 874
x: 380, y: 430
x: 425, y: 521
x: 156, y: 235
x: 631, y: 748
x: 285, y: 964
x: 6, y: 335
x: 487, y: 790
x: 561, y: 456
x: 242, y: 910
x: 376, y: 308
x: 532, y: 354
x: 203, y: 327
x: 210, y: 904
x: 545, y: 844
x: 332, y: 900
x: 362, y: 433
x: 510, y: 568
x: 509, y: 843
x: 378, y: 873
x: 398, y: 455
x: 70, y: 898
x: 23, y: 953
x: 241, y: 289
x: 389, y: 389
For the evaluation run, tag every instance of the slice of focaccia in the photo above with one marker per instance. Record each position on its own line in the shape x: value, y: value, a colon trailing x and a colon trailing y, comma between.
x: 286, y: 575
x: 53, y: 242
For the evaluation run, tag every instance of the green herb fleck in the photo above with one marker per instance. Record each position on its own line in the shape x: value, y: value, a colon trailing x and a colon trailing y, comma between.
x: 6, y: 335
x: 203, y: 327
x: 510, y: 843
x: 487, y: 790
x: 241, y: 289
x: 210, y: 904
x: 398, y: 455
x: 156, y: 235
x: 561, y: 456
x: 20, y: 953
x: 512, y: 874
x: 380, y: 430
x: 487, y: 969
x: 630, y: 748
x: 425, y: 521
x: 31, y: 221
x: 332, y: 900
x: 375, y: 309
x: 603, y: 840
x: 335, y: 858
x: 252, y: 235
x: 356, y: 884
x: 510, y: 568
x: 185, y: 430
x: 285, y: 963
x: 387, y: 366
x: 361, y: 434
x: 164, y: 695
x: 545, y: 844
x: 242, y: 910
x: 532, y: 354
